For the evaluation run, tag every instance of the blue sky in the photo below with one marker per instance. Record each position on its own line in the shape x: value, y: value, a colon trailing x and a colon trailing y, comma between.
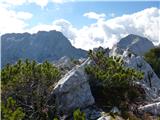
x: 86, y: 24
x: 73, y: 11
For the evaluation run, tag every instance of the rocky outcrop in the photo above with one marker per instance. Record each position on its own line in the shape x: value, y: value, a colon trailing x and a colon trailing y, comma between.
x: 95, y: 113
x: 153, y: 108
x: 65, y: 63
x: 150, y: 78
x: 92, y: 112
x: 73, y: 90
x: 150, y: 82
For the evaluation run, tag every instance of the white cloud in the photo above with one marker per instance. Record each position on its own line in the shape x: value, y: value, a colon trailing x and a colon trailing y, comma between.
x: 108, y: 32
x: 62, y: 1
x: 93, y: 15
x: 144, y: 23
x: 57, y: 1
x: 13, y: 2
x: 24, y: 15
x: 41, y: 3
x: 12, y: 21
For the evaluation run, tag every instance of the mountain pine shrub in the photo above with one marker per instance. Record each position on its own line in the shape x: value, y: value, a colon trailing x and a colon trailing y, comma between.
x: 78, y: 115
x: 10, y: 110
x: 30, y: 84
x: 153, y: 58
x: 112, y: 84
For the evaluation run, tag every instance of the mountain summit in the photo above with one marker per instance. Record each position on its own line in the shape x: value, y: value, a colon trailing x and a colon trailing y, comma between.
x: 41, y: 46
x: 136, y: 44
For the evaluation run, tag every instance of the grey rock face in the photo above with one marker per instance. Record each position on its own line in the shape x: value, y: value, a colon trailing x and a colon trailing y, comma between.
x: 153, y: 108
x: 108, y: 117
x: 65, y: 62
x: 115, y: 110
x: 92, y: 112
x: 41, y: 46
x: 137, y: 44
x: 105, y: 118
x: 73, y: 91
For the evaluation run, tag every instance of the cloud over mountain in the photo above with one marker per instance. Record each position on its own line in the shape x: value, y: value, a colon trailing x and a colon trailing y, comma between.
x: 107, y: 32
x: 104, y: 32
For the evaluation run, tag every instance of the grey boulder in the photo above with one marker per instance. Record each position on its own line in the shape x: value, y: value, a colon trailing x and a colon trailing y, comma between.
x: 73, y: 90
x: 153, y: 108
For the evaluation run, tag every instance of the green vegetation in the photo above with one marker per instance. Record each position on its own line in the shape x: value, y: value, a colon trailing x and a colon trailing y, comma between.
x: 27, y: 86
x: 10, y: 111
x: 30, y: 85
x: 153, y: 58
x: 112, y: 84
x: 78, y: 115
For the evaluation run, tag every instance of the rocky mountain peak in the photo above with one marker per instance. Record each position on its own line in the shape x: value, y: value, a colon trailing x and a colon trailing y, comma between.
x: 40, y: 46
x: 136, y: 44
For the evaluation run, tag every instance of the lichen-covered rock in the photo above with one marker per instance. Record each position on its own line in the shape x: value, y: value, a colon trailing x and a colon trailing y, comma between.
x: 73, y: 90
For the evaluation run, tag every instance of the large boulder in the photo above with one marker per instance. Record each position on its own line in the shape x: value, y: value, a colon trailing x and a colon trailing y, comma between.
x: 137, y: 44
x: 73, y: 90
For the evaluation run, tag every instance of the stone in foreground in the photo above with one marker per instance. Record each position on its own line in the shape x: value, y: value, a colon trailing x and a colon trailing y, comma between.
x: 73, y: 91
x: 153, y: 108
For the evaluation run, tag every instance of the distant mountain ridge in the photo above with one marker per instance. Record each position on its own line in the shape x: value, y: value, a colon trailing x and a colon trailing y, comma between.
x: 53, y: 45
x: 40, y: 46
